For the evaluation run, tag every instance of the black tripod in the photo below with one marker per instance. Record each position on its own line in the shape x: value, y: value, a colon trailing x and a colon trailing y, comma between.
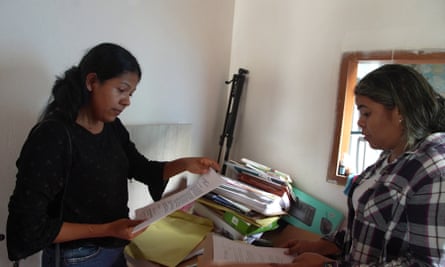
x: 232, y: 110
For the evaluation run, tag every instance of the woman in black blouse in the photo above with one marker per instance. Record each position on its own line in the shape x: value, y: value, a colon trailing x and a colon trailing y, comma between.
x: 71, y: 186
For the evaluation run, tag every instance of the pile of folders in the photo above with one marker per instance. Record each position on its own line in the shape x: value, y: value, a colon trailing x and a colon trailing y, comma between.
x: 249, y: 203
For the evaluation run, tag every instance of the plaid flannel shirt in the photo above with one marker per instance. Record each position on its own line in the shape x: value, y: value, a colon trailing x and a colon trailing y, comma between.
x: 400, y: 221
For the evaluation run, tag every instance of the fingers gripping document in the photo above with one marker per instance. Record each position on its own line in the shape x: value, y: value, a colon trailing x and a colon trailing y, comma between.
x: 168, y: 205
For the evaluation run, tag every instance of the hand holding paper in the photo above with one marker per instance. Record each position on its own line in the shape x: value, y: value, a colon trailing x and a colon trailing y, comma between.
x: 157, y: 210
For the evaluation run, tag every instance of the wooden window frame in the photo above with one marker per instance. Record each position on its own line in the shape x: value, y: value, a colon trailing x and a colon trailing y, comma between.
x: 345, y: 97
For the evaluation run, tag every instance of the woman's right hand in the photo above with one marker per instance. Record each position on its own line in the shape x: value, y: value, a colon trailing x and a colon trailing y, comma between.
x: 123, y: 228
x: 297, y: 247
x: 320, y: 246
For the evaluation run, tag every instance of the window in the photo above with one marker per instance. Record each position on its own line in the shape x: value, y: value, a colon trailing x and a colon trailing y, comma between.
x: 347, y: 137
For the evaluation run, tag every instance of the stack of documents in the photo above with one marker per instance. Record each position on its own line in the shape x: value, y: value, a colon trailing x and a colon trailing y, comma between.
x: 253, y: 198
x: 248, y: 204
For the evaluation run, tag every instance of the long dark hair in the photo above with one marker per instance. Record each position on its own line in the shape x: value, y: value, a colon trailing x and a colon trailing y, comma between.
x: 69, y: 92
x: 401, y: 86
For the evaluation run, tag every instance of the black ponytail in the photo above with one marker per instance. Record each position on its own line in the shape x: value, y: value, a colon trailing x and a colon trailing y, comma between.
x: 67, y: 96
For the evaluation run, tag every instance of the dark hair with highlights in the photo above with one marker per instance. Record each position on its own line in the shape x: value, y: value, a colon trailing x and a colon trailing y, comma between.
x: 401, y: 86
x: 69, y: 92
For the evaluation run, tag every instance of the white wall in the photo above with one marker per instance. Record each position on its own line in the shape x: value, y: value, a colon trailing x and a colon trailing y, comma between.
x: 183, y: 48
x: 293, y: 51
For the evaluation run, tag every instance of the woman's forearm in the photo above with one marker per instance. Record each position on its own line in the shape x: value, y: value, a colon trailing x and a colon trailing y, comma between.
x: 74, y: 231
x: 121, y: 228
x: 174, y: 167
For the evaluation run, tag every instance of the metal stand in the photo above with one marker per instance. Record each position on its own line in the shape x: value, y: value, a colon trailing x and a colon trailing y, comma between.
x: 232, y: 110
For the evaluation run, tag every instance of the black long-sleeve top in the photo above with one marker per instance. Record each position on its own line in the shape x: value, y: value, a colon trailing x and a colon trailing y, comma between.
x: 96, y: 191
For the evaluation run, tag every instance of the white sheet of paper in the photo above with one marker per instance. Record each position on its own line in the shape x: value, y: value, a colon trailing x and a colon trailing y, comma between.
x: 226, y: 250
x: 165, y: 206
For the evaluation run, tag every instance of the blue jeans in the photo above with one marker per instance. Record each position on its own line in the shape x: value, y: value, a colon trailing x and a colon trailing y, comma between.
x: 86, y: 256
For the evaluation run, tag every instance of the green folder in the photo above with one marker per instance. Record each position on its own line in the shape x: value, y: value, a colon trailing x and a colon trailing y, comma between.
x: 252, y: 226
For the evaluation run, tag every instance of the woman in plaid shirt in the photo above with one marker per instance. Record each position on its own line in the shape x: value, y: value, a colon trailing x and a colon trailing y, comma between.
x: 397, y: 205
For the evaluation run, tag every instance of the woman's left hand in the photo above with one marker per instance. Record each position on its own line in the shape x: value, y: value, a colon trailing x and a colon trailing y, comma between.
x: 200, y: 165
